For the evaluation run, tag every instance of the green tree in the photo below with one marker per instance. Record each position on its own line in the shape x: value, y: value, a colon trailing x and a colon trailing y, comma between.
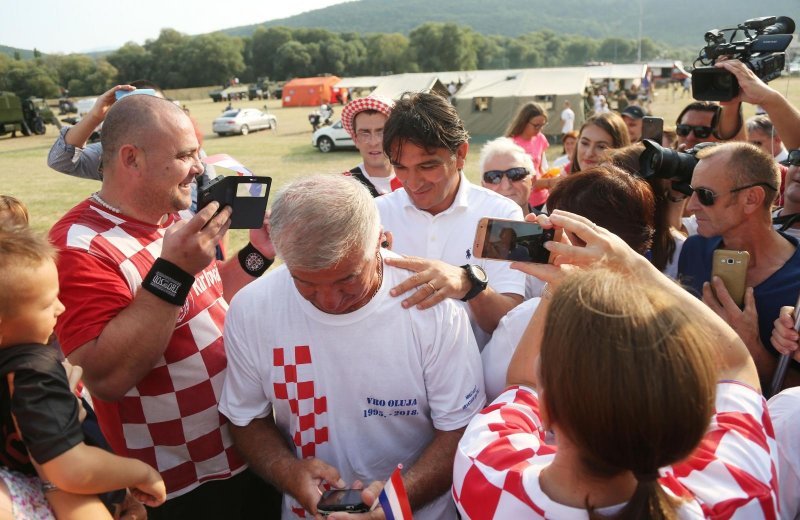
x: 264, y: 46
x: 388, y: 53
x: 209, y: 59
x: 440, y: 47
x: 165, y: 58
x: 579, y: 50
x: 617, y: 50
x: 132, y: 62
x: 36, y: 53
x: 292, y: 59
x: 26, y: 78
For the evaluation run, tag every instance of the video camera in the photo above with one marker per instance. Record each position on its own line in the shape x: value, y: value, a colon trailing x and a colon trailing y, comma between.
x: 761, y: 50
x: 666, y: 163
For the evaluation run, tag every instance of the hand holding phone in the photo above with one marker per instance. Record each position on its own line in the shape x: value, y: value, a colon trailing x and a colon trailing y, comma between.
x: 512, y: 241
x: 342, y: 500
x: 246, y: 195
x: 731, y: 267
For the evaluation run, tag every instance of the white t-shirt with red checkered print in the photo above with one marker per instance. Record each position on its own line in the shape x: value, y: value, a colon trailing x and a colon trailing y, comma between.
x: 731, y: 474
x: 361, y: 391
x: 170, y: 418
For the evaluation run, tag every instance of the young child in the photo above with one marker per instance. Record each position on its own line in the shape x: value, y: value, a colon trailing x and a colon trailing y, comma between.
x: 13, y: 213
x: 39, y: 422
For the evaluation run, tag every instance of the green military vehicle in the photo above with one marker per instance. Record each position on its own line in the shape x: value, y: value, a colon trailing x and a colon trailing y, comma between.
x: 27, y: 116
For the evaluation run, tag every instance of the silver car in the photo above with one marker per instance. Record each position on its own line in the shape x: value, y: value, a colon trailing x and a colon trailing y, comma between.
x: 243, y: 121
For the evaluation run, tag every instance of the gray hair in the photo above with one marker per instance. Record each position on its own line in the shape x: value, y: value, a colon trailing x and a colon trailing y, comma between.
x: 318, y: 220
x: 505, y: 146
x: 761, y: 124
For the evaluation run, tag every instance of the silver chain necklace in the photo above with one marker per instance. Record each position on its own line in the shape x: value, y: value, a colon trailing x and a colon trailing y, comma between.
x: 96, y: 197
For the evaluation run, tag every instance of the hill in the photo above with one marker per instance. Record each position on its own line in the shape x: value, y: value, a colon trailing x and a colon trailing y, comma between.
x: 675, y: 22
x: 25, y: 54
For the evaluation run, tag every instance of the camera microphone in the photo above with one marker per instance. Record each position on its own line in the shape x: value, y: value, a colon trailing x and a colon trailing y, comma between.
x: 782, y: 25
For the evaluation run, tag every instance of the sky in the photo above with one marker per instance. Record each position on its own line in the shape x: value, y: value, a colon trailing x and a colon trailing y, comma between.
x: 62, y: 26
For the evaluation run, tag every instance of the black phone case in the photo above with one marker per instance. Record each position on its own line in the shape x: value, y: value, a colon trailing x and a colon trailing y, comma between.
x: 248, y: 212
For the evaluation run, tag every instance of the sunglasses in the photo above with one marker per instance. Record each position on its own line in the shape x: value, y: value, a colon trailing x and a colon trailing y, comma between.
x: 793, y: 159
x: 700, y: 132
x: 513, y: 174
x: 706, y: 196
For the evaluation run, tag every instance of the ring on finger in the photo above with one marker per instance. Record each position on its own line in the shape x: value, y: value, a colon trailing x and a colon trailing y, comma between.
x: 433, y: 288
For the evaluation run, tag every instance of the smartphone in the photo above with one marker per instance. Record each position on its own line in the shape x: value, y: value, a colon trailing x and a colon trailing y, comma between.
x: 246, y: 195
x: 731, y: 267
x: 512, y: 241
x: 653, y: 129
x: 336, y: 500
x: 122, y: 93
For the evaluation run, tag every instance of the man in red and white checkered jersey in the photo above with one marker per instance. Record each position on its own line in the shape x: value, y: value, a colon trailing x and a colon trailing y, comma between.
x: 145, y: 310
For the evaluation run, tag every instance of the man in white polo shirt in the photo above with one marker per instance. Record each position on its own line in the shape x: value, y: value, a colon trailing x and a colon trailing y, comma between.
x: 434, y: 217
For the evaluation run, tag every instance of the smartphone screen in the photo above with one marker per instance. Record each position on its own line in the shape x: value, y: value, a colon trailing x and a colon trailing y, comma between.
x: 512, y: 241
x: 342, y: 500
x: 653, y: 128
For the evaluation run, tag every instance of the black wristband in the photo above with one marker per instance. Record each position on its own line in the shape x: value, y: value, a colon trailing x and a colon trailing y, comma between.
x: 169, y: 282
x: 253, y: 262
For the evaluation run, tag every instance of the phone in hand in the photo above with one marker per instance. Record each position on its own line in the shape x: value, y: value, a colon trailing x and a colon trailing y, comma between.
x: 246, y: 195
x: 512, y: 241
x: 338, y: 500
x: 653, y: 129
x: 731, y: 267
x: 119, y: 94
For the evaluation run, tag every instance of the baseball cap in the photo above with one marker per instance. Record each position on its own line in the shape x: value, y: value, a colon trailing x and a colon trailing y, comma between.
x: 353, y: 108
x: 633, y: 112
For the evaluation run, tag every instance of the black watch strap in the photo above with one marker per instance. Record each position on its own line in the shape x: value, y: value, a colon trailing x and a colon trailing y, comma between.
x: 252, y: 261
x: 478, y: 284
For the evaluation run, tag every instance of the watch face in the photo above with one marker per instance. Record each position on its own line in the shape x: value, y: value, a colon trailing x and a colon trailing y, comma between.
x: 479, y: 273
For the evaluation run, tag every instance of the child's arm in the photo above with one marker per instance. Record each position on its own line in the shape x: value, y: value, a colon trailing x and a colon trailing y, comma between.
x: 88, y: 470
x: 69, y: 506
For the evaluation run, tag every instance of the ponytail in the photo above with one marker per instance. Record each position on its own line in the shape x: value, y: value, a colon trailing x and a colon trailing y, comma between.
x: 649, y: 502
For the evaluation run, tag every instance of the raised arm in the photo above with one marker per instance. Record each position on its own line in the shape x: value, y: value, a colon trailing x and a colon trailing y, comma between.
x: 603, y: 248
x: 133, y: 341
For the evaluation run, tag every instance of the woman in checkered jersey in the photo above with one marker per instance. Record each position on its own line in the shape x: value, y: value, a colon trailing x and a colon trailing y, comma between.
x: 652, y: 398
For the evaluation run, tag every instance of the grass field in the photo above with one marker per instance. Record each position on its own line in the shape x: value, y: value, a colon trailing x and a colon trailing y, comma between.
x: 284, y: 154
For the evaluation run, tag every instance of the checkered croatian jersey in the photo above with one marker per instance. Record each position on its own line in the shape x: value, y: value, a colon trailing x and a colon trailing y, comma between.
x: 170, y: 418
x: 731, y: 474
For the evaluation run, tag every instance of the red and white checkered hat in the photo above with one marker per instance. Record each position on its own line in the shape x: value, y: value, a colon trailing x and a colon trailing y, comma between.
x: 381, y: 104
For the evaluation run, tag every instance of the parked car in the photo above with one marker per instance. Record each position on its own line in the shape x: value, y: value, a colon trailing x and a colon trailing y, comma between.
x: 331, y: 137
x: 243, y: 121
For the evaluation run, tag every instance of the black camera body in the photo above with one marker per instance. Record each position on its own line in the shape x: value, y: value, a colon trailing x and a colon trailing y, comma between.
x: 762, y: 52
x: 666, y: 163
x: 246, y: 195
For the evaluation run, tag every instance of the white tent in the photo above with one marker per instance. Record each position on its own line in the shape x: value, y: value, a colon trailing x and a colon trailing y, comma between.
x: 488, y: 102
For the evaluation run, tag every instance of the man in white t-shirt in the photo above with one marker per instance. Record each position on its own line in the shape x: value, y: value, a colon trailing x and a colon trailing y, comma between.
x: 435, y: 216
x: 364, y: 119
x: 331, y: 382
x: 567, y: 118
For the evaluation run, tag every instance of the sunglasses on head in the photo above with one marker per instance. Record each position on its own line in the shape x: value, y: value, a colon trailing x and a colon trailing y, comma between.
x: 706, y: 196
x: 793, y: 159
x: 701, y: 132
x: 513, y: 174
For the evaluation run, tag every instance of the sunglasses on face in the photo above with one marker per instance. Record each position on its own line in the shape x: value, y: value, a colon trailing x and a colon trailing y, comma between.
x: 793, y: 159
x: 513, y: 174
x: 706, y: 196
x: 700, y: 132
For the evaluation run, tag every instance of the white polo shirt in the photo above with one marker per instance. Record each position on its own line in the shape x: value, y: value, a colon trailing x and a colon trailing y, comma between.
x: 449, y: 235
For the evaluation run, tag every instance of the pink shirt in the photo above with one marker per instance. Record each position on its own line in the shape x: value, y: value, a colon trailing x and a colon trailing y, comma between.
x: 535, y: 147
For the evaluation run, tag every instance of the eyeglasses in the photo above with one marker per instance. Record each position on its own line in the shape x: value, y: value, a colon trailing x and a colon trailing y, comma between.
x: 365, y: 136
x: 537, y: 126
x: 793, y: 159
x: 700, y: 132
x: 513, y: 174
x: 706, y: 196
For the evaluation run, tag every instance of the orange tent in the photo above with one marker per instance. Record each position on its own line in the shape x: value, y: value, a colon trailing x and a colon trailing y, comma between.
x: 308, y: 92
